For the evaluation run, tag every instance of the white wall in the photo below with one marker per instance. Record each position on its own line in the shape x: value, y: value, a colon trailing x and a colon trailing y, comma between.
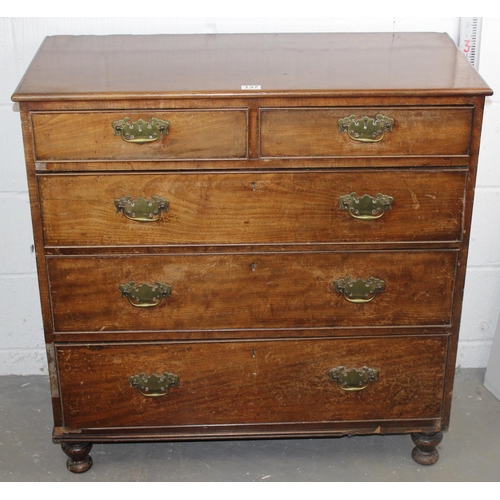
x: 21, y: 337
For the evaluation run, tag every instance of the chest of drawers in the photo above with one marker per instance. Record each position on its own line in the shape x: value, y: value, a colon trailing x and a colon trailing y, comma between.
x: 242, y: 236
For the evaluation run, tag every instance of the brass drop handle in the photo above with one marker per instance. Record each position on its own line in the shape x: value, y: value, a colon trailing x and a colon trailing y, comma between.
x: 154, y: 386
x: 366, y: 207
x: 140, y: 131
x: 359, y: 291
x: 145, y: 295
x: 353, y: 379
x: 141, y: 209
x: 366, y: 129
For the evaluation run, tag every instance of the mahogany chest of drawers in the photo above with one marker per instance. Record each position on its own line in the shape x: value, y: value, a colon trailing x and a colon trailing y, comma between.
x: 242, y: 236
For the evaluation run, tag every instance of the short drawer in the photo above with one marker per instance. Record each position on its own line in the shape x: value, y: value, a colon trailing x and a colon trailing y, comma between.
x: 224, y: 383
x: 338, y: 132
x: 279, y: 208
x: 248, y: 291
x: 182, y: 134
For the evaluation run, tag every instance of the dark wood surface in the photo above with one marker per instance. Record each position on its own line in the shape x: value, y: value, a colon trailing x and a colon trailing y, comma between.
x: 269, y: 290
x: 251, y: 382
x: 425, y: 452
x: 100, y: 67
x: 209, y: 134
x: 314, y: 132
x: 252, y: 208
x: 192, y: 135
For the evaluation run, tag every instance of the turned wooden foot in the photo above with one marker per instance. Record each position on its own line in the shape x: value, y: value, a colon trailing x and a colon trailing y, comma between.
x: 425, y: 452
x: 79, y: 459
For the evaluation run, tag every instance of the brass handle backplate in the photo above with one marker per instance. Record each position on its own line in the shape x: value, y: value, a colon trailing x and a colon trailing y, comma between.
x: 366, y: 207
x: 145, y: 295
x: 353, y: 379
x: 154, y: 386
x: 141, y: 209
x: 140, y: 131
x: 366, y: 129
x: 359, y: 290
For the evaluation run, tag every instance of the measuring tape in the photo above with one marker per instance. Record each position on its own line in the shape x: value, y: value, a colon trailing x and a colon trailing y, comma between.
x: 470, y: 37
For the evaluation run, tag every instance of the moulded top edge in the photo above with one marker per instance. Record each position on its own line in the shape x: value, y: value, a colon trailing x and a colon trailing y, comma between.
x: 149, y: 66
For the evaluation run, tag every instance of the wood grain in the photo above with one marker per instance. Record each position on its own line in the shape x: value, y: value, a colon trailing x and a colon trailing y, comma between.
x: 284, y: 290
x: 217, y: 65
x: 416, y: 131
x: 251, y: 382
x: 252, y: 208
x: 90, y: 136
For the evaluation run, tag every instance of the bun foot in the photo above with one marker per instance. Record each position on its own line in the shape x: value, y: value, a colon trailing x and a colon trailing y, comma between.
x: 425, y: 452
x: 79, y: 459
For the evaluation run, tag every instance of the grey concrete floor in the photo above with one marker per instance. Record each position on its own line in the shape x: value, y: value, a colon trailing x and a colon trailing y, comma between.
x: 470, y: 450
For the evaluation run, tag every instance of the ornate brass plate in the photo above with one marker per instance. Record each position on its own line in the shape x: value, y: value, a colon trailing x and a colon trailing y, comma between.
x: 366, y: 129
x: 353, y: 379
x: 141, y: 209
x: 154, y: 386
x: 359, y: 290
x: 140, y: 131
x: 145, y: 295
x: 366, y: 207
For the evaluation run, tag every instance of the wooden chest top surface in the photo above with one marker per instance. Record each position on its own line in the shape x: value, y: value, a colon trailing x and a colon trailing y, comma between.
x: 156, y: 66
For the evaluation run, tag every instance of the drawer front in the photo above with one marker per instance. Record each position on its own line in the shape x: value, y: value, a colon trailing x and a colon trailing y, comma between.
x: 251, y: 382
x: 91, y: 136
x: 209, y: 209
x: 415, y: 132
x: 233, y: 291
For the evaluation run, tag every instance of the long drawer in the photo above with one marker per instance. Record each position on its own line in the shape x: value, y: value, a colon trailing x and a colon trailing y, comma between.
x: 252, y: 208
x: 401, y: 131
x: 181, y: 134
x: 245, y: 291
x: 251, y: 382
